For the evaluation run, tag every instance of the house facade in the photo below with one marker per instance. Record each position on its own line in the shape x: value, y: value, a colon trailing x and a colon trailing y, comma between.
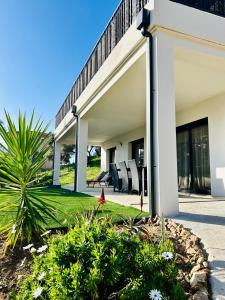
x: 156, y: 96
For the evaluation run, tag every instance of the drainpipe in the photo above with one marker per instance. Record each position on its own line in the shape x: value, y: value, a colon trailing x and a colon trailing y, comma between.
x: 143, y: 22
x: 53, y: 162
x: 74, y: 112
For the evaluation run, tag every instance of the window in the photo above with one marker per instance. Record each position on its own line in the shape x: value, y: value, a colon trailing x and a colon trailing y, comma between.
x: 193, y: 162
x: 112, y: 155
x: 138, y: 151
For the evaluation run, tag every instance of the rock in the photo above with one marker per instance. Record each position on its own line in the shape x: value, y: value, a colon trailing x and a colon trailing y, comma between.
x: 194, y: 239
x: 195, y: 269
x: 205, y: 264
x: 180, y: 226
x: 198, y: 278
x: 183, y: 232
x: 191, y: 251
x: 189, y: 244
x: 202, y: 294
x: 200, y: 260
x: 196, y: 248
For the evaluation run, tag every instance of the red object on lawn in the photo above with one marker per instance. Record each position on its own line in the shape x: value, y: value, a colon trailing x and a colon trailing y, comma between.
x: 101, y: 199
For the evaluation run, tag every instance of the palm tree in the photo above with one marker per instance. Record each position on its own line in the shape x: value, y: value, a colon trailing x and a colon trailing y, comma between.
x: 23, y: 155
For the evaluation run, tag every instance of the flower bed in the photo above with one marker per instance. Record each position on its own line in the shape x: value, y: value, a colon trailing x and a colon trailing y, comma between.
x: 135, y: 260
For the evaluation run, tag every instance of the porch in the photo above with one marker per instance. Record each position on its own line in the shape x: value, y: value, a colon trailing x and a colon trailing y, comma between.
x: 191, y: 87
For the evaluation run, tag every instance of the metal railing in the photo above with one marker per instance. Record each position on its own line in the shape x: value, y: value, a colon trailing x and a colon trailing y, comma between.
x: 216, y: 7
x: 122, y: 19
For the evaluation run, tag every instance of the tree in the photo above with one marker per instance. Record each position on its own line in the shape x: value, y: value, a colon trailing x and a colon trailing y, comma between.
x: 24, y: 154
x: 50, y: 153
x: 93, y: 151
x: 67, y: 152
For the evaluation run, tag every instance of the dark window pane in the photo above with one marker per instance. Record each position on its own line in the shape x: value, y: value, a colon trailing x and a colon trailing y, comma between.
x: 138, y: 152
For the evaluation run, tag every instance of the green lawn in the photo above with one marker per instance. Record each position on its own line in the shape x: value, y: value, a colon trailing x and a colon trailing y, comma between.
x: 70, y: 204
x: 67, y: 172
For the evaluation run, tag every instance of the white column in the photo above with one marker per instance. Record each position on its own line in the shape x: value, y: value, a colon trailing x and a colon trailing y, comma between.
x: 82, y: 155
x: 56, y: 167
x: 104, y: 159
x: 164, y: 118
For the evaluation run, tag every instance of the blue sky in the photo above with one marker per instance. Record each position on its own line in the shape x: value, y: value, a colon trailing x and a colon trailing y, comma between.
x: 43, y: 46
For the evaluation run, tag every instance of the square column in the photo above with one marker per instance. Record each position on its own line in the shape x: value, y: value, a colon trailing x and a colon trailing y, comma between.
x: 163, y: 116
x: 104, y: 159
x: 82, y: 144
x: 56, y: 164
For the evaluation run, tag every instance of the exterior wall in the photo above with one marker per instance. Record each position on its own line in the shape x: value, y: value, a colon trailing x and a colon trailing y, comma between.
x: 123, y: 152
x: 165, y: 15
x: 188, y: 20
x: 214, y: 109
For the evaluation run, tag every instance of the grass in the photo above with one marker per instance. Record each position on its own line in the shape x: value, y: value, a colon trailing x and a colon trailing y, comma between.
x: 67, y: 172
x: 70, y: 204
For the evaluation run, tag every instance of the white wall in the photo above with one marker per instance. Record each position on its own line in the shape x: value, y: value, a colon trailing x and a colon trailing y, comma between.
x: 214, y: 109
x: 123, y: 152
x: 188, y: 20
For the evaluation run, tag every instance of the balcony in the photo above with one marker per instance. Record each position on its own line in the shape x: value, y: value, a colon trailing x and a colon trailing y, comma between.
x: 216, y: 7
x: 122, y: 19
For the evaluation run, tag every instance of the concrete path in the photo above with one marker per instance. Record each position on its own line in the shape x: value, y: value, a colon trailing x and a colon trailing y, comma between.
x: 204, y: 215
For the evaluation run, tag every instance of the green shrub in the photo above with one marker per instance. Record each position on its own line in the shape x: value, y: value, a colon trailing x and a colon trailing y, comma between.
x: 44, y: 178
x: 95, y: 261
x: 24, y: 148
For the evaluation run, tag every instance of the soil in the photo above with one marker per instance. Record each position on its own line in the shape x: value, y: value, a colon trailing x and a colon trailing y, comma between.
x: 12, y: 268
x: 191, y: 258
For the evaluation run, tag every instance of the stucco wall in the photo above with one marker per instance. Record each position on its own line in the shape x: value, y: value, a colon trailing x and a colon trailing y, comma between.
x: 188, y: 20
x: 214, y: 109
x: 123, y: 146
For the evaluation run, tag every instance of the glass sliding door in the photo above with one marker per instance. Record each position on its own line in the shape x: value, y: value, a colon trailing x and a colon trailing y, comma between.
x: 201, y: 164
x: 193, y: 163
x: 138, y: 152
x: 183, y: 160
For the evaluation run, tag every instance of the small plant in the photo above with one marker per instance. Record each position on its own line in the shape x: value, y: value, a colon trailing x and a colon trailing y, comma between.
x: 23, y: 154
x: 94, y: 260
x: 163, y: 228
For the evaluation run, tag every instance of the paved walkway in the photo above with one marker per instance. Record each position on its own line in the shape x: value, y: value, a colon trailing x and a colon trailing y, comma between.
x: 205, y: 216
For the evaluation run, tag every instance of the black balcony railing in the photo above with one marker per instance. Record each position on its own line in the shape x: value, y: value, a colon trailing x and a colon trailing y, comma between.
x: 216, y: 7
x: 116, y: 28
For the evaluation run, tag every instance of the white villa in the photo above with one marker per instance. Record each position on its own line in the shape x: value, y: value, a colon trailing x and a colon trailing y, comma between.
x: 156, y: 95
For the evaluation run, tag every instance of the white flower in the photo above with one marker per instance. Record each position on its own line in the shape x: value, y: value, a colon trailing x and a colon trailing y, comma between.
x: 46, y: 233
x: 155, y: 295
x: 13, y: 229
x: 41, y: 276
x: 33, y: 250
x: 42, y: 249
x: 28, y: 247
x: 40, y: 255
x: 167, y: 255
x: 37, y: 292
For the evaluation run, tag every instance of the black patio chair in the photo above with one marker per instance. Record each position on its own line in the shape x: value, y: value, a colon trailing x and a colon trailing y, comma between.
x: 102, y: 178
x: 125, y: 178
x: 135, y: 175
x: 116, y: 181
